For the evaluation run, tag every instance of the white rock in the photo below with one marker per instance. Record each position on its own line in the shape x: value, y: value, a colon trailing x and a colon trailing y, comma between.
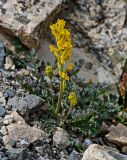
x: 8, y: 119
x: 9, y: 63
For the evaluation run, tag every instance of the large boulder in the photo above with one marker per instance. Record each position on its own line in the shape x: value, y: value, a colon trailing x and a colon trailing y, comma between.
x: 27, y: 19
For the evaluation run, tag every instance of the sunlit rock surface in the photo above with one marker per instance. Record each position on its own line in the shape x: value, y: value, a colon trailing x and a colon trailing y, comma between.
x: 27, y: 19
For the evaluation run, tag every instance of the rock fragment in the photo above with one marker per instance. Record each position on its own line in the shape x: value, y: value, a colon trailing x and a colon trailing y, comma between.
x: 18, y: 129
x: 34, y: 101
x: 73, y: 156
x: 2, y: 101
x: 9, y: 63
x: 60, y: 138
x: 18, y: 104
x: 118, y: 134
x: 2, y: 111
x: 2, y: 55
x: 97, y: 152
x: 17, y: 153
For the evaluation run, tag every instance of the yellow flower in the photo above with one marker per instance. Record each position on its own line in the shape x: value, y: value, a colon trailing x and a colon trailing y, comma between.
x: 54, y: 50
x: 64, y: 76
x: 70, y: 67
x: 57, y: 27
x: 49, y: 71
x: 72, y: 99
x: 63, y: 50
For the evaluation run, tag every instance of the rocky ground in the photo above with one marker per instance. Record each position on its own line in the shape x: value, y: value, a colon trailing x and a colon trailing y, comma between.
x: 23, y: 135
x: 20, y: 140
x: 99, y: 37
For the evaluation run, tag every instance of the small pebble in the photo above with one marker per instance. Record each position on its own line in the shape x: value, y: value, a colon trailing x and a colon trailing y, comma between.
x: 2, y: 111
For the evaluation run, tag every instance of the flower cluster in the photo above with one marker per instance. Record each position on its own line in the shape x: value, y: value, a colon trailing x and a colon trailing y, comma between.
x: 72, y: 99
x: 63, y: 53
x: 63, y: 50
x: 49, y: 71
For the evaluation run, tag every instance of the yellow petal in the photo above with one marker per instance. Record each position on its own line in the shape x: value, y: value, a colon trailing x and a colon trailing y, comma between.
x: 70, y: 67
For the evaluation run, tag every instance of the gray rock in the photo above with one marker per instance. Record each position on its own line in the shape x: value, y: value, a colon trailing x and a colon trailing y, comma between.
x: 2, y: 111
x: 87, y: 142
x: 12, y: 142
x: 1, y: 62
x: 5, y: 158
x: 2, y: 55
x: 19, y: 104
x: 2, y: 50
x: 73, y: 156
x: 34, y: 101
x: 1, y: 155
x: 6, y: 74
x: 2, y: 101
x: 99, y: 1
x: 1, y: 120
x: 24, y: 143
x: 42, y: 158
x: 16, y: 153
x: 60, y: 138
x: 40, y: 150
x: 8, y: 93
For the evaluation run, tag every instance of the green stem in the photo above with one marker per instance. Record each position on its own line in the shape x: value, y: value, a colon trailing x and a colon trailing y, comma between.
x: 59, y: 98
x: 65, y: 118
x: 51, y: 86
